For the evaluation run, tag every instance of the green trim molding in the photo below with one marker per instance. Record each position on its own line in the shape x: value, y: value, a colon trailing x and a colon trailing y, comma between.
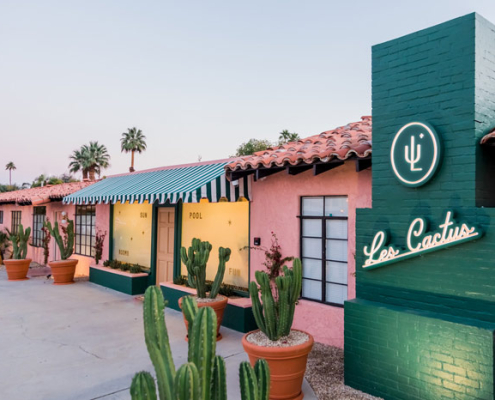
x: 238, y: 314
x: 121, y: 281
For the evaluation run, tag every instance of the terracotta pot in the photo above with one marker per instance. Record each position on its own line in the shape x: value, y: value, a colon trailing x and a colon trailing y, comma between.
x: 287, y: 366
x: 63, y: 271
x: 17, y: 269
x: 218, y: 306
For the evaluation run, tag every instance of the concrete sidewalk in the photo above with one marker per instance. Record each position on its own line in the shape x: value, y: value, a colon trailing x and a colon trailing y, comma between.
x: 85, y: 342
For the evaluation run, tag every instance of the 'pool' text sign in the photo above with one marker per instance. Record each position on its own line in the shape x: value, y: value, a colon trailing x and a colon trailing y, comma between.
x: 418, y: 241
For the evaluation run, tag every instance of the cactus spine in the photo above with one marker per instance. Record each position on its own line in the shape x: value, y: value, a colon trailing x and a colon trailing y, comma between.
x: 66, y: 242
x: 203, y: 377
x: 275, y: 317
x: 195, y: 259
x: 20, y: 242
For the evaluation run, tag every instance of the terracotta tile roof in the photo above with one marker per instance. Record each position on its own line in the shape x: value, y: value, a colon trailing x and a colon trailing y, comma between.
x: 352, y: 140
x: 41, y: 195
x: 489, y: 138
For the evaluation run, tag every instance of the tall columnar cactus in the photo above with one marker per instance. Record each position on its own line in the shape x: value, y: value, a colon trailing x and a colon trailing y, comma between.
x: 275, y: 317
x: 66, y: 242
x: 195, y: 259
x: 203, y: 377
x: 20, y: 242
x: 223, y: 257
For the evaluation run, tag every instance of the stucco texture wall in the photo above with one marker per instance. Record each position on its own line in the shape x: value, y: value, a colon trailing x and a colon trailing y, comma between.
x: 36, y: 253
x: 275, y: 207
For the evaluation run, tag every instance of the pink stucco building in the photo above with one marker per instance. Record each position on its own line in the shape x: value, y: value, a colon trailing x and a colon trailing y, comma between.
x: 31, y: 207
x: 307, y: 192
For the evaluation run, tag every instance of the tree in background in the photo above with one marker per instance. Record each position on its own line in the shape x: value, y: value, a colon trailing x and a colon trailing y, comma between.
x: 287, y: 137
x: 10, y: 166
x: 133, y: 140
x: 44, y: 180
x: 79, y: 163
x: 98, y: 158
x: 89, y: 159
x: 67, y: 178
x: 252, y: 146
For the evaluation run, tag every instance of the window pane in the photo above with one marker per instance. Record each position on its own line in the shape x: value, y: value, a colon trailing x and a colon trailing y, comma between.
x: 311, y: 248
x: 336, y: 293
x: 312, y: 206
x: 311, y: 289
x: 312, y: 227
x: 337, y: 229
x: 337, y: 250
x: 336, y: 206
x: 311, y: 268
x: 336, y: 272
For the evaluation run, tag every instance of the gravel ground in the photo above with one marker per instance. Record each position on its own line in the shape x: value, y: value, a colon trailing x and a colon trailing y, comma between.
x: 325, y: 374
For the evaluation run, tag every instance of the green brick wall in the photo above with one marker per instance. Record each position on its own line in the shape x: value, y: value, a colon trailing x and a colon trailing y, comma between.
x: 420, y: 356
x: 444, y: 75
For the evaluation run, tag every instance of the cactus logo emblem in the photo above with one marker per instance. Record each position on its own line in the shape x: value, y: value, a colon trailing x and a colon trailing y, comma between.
x: 415, y: 154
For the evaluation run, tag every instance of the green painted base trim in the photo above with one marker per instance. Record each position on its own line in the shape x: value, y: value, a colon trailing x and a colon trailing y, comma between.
x: 240, y: 319
x: 121, y: 283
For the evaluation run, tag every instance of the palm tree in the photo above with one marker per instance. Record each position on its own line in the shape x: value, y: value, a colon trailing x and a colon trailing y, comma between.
x: 90, y: 159
x: 286, y: 137
x: 133, y: 140
x: 79, y: 163
x: 10, y: 166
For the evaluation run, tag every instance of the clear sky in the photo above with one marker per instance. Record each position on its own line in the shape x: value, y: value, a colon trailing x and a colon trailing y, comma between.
x: 197, y: 77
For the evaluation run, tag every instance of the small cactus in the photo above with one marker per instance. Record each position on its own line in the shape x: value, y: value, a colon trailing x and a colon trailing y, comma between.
x: 195, y: 259
x: 20, y: 242
x: 203, y: 377
x: 274, y: 318
x: 66, y: 242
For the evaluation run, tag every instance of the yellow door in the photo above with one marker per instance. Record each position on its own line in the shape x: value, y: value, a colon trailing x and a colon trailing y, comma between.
x: 165, y: 245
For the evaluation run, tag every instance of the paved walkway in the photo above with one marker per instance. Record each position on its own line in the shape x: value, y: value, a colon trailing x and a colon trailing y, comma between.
x: 85, y: 342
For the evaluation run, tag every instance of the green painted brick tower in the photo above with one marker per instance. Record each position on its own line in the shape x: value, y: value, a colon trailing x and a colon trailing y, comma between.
x: 422, y: 325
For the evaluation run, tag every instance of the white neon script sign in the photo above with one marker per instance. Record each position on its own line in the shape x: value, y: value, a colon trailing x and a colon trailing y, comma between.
x: 418, y: 241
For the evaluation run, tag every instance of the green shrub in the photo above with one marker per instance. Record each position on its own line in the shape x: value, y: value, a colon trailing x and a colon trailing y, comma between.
x: 226, y: 290
x: 106, y: 263
x: 135, y: 269
x: 125, y: 266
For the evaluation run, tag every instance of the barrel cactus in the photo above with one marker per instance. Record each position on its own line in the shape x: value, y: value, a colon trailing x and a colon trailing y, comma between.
x: 275, y: 317
x: 20, y: 242
x: 203, y: 377
x: 65, y: 241
x: 195, y: 259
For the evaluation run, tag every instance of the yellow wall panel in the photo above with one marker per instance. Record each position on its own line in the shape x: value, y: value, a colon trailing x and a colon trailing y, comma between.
x: 132, y: 233
x: 223, y: 225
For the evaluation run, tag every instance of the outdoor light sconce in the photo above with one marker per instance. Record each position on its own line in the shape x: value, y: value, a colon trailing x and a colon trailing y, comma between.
x: 257, y: 241
x: 64, y: 217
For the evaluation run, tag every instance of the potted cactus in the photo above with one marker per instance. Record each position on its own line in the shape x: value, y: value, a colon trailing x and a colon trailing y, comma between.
x: 286, y: 350
x: 63, y: 270
x: 204, y: 375
x: 17, y: 267
x: 195, y: 259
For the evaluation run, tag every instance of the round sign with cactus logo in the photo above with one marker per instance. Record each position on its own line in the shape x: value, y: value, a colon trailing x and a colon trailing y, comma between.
x: 415, y: 154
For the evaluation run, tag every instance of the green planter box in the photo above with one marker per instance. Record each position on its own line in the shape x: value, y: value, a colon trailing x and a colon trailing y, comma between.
x: 238, y: 313
x: 121, y: 281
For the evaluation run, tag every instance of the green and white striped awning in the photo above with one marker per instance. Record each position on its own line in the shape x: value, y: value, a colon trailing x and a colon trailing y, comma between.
x: 189, y: 183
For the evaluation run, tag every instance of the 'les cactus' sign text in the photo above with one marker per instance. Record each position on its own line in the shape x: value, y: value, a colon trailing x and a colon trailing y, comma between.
x: 418, y: 241
x: 415, y: 154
